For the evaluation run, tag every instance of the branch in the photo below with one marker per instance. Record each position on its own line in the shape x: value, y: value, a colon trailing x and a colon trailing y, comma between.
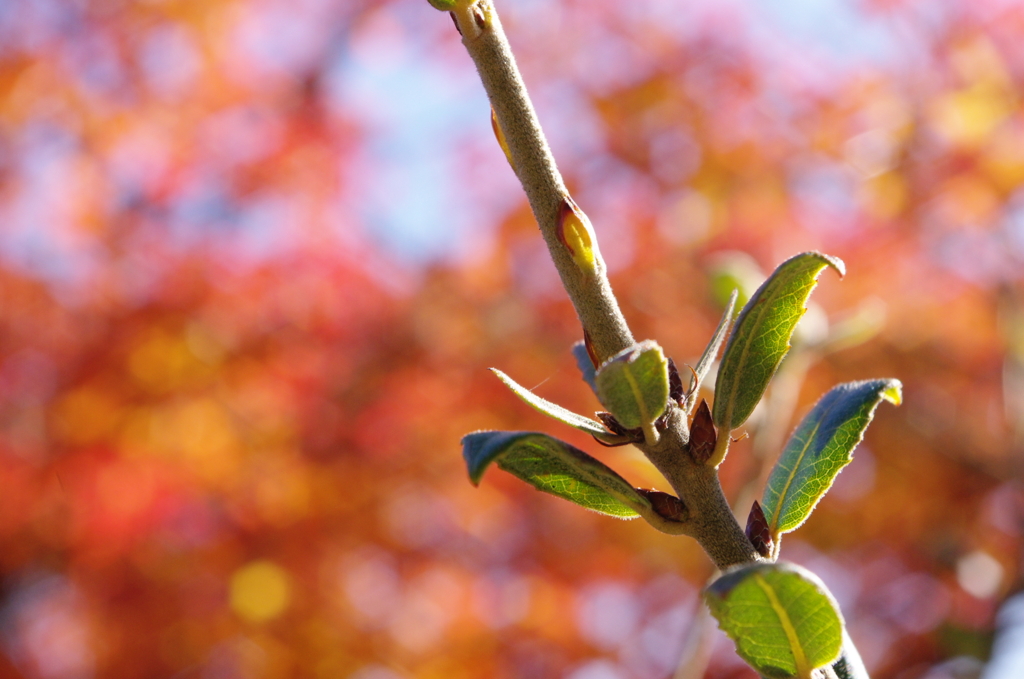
x: 575, y: 253
x: 561, y: 222
x: 701, y: 510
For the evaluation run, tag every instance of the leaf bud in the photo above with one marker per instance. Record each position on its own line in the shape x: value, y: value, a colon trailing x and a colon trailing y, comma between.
x: 757, y: 531
x: 703, y: 437
x: 574, y: 233
x: 666, y: 505
x: 675, y: 383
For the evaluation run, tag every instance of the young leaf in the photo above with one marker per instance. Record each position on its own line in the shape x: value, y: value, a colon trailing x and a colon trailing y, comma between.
x: 782, y: 617
x: 443, y: 5
x: 711, y: 351
x: 556, y: 411
x: 822, y: 445
x: 633, y: 386
x: 585, y: 364
x: 760, y: 337
x: 554, y: 467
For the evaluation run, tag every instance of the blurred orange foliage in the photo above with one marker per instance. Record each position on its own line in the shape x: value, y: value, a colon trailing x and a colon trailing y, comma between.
x: 230, y: 413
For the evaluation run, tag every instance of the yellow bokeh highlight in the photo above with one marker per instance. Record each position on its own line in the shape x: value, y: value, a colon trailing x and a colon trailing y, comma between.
x: 85, y: 415
x: 200, y: 434
x: 1003, y: 159
x: 969, y: 116
x: 163, y: 361
x: 885, y: 196
x: 282, y: 489
x: 260, y: 591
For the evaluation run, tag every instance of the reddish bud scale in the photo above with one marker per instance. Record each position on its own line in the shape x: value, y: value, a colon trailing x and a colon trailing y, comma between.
x: 635, y: 435
x: 675, y: 384
x: 703, y: 437
x: 610, y: 422
x: 758, y: 532
x: 615, y: 444
x: 668, y: 506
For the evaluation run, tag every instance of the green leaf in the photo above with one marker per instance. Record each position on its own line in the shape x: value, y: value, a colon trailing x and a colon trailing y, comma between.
x: 633, y: 386
x: 586, y: 366
x: 760, y: 337
x: 444, y: 5
x: 782, y: 617
x: 585, y: 424
x: 820, y: 447
x: 554, y: 467
x: 849, y: 664
x: 711, y: 350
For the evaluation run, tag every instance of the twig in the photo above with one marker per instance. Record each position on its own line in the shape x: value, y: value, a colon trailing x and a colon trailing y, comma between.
x: 534, y: 164
x: 574, y: 250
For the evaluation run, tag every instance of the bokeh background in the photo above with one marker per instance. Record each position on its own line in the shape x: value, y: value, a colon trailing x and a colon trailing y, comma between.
x: 256, y: 256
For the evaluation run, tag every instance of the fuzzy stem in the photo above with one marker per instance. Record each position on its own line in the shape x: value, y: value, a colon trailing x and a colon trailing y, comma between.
x: 589, y: 291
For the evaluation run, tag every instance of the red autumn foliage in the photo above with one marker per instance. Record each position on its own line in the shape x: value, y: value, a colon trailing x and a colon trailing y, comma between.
x: 231, y: 399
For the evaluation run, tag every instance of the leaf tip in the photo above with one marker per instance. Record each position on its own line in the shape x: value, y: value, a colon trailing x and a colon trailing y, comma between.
x: 505, y: 379
x: 893, y: 392
x: 473, y: 445
x: 834, y: 262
